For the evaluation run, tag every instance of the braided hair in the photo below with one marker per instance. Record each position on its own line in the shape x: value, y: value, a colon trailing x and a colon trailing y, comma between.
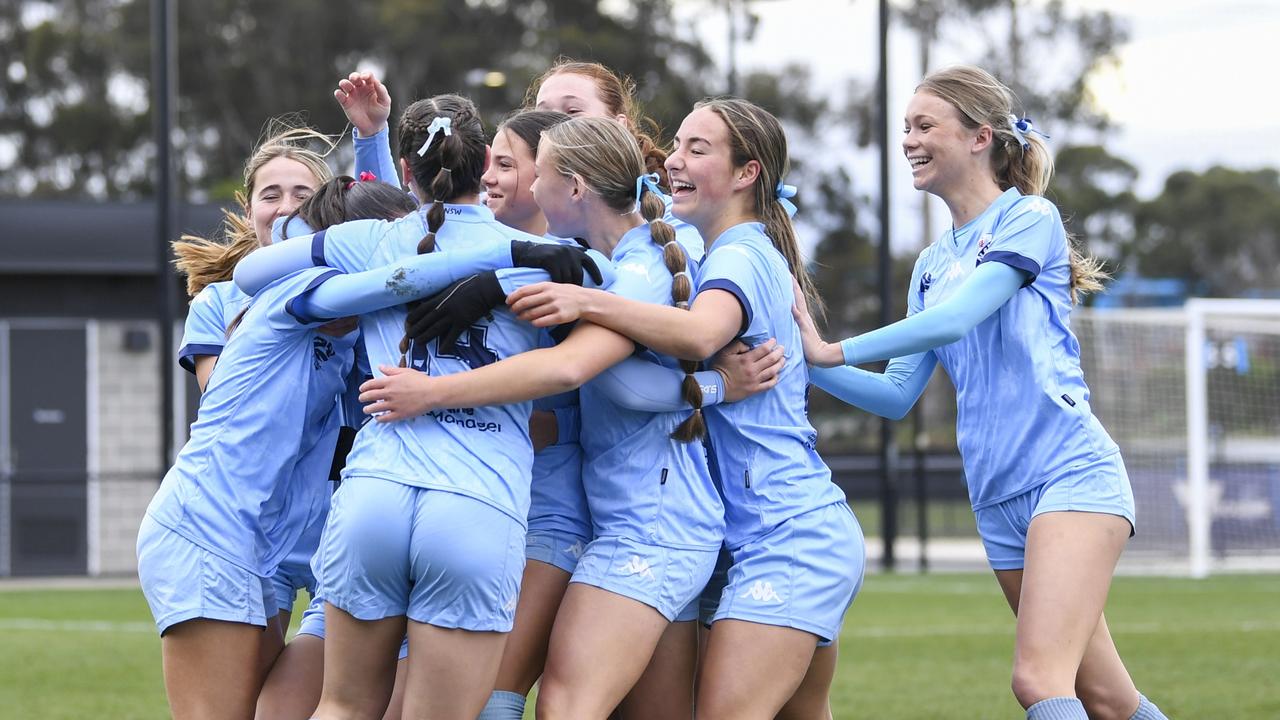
x: 608, y: 159
x: 444, y: 167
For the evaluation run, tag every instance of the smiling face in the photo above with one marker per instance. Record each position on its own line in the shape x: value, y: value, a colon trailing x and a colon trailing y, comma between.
x: 704, y: 180
x: 509, y: 180
x: 941, y: 150
x: 279, y: 187
x: 575, y: 95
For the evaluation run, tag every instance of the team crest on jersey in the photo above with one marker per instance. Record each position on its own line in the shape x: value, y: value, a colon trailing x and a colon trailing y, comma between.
x: 984, y: 243
x: 321, y: 351
x: 926, y: 281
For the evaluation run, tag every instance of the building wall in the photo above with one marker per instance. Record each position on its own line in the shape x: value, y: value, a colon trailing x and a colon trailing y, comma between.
x: 125, y: 466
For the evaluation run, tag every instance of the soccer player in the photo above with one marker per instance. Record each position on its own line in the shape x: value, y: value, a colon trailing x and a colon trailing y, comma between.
x: 991, y: 301
x: 427, y: 529
x: 797, y: 550
x: 241, y: 490
x: 593, y: 90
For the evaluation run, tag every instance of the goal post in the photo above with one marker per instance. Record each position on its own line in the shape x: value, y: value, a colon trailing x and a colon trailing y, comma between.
x: 1192, y: 396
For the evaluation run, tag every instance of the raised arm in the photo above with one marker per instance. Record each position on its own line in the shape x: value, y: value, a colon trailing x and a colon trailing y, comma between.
x: 889, y: 394
x: 367, y: 105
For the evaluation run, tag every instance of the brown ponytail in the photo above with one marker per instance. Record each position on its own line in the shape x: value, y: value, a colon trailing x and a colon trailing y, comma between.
x: 755, y: 134
x: 451, y: 166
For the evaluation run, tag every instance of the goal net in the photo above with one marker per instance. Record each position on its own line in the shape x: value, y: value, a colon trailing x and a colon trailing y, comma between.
x: 1192, y: 396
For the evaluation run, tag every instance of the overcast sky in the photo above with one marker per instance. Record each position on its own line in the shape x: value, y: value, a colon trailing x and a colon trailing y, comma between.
x: 1195, y: 85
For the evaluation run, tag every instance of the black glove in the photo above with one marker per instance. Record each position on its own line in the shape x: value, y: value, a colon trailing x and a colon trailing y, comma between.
x: 448, y: 313
x: 564, y: 263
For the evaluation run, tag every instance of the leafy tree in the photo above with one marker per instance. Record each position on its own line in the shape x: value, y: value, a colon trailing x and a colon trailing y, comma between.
x: 1095, y: 191
x: 1218, y: 230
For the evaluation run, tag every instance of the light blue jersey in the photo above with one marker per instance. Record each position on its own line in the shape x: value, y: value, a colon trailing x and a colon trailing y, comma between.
x: 642, y: 484
x: 1023, y: 407
x: 484, y: 453
x: 763, y: 448
x: 558, y: 501
x: 205, y: 331
x: 686, y: 234
x: 255, y: 468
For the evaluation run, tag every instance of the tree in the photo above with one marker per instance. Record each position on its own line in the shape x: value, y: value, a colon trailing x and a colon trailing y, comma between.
x: 1094, y: 189
x: 1219, y: 231
x: 74, y: 99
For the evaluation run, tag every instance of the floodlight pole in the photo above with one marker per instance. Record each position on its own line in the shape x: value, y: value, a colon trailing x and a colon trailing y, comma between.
x: 164, y: 93
x: 888, y: 448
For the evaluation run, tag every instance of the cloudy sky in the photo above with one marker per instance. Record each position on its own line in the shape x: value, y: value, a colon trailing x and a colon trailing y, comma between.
x: 1194, y: 86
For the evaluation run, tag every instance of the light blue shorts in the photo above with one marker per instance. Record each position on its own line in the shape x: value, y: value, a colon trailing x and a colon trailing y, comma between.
x: 803, y: 574
x: 313, y: 624
x: 438, y: 557
x: 183, y: 581
x: 292, y: 575
x: 555, y: 547
x: 1101, y: 486
x: 666, y: 579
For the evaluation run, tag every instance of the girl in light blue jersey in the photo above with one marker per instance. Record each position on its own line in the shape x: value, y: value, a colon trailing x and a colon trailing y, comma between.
x: 657, y: 516
x: 427, y: 529
x: 254, y: 471
x: 991, y: 302
x: 797, y: 549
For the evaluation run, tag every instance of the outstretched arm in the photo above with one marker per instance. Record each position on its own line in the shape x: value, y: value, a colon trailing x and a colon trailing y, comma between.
x: 713, y: 320
x: 987, y: 288
x: 404, y: 393
x: 413, y: 278
x: 889, y: 394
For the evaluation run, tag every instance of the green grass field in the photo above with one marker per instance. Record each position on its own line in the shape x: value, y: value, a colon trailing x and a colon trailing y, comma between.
x: 934, y: 646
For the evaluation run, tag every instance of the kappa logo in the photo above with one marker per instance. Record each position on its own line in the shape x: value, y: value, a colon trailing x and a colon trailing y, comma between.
x: 637, y: 566
x: 575, y: 549
x: 762, y: 591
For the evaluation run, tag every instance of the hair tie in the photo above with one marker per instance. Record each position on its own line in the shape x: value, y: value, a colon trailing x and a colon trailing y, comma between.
x: 1020, y: 128
x: 440, y: 122
x: 447, y: 170
x: 672, y: 241
x: 650, y: 181
x: 366, y: 176
x: 350, y: 185
x: 682, y: 272
x: 784, y: 193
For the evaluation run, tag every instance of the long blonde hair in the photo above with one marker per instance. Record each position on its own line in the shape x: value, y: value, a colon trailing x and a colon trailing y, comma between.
x: 610, y: 162
x: 981, y: 99
x: 206, y: 261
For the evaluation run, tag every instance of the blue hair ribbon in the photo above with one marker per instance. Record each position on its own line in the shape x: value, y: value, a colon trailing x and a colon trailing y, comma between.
x: 784, y: 193
x: 1021, y: 127
x: 439, y: 123
x: 650, y: 181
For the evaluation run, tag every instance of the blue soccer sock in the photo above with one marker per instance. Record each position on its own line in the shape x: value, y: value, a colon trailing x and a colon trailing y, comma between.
x: 503, y: 705
x: 1057, y: 708
x: 1147, y: 710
